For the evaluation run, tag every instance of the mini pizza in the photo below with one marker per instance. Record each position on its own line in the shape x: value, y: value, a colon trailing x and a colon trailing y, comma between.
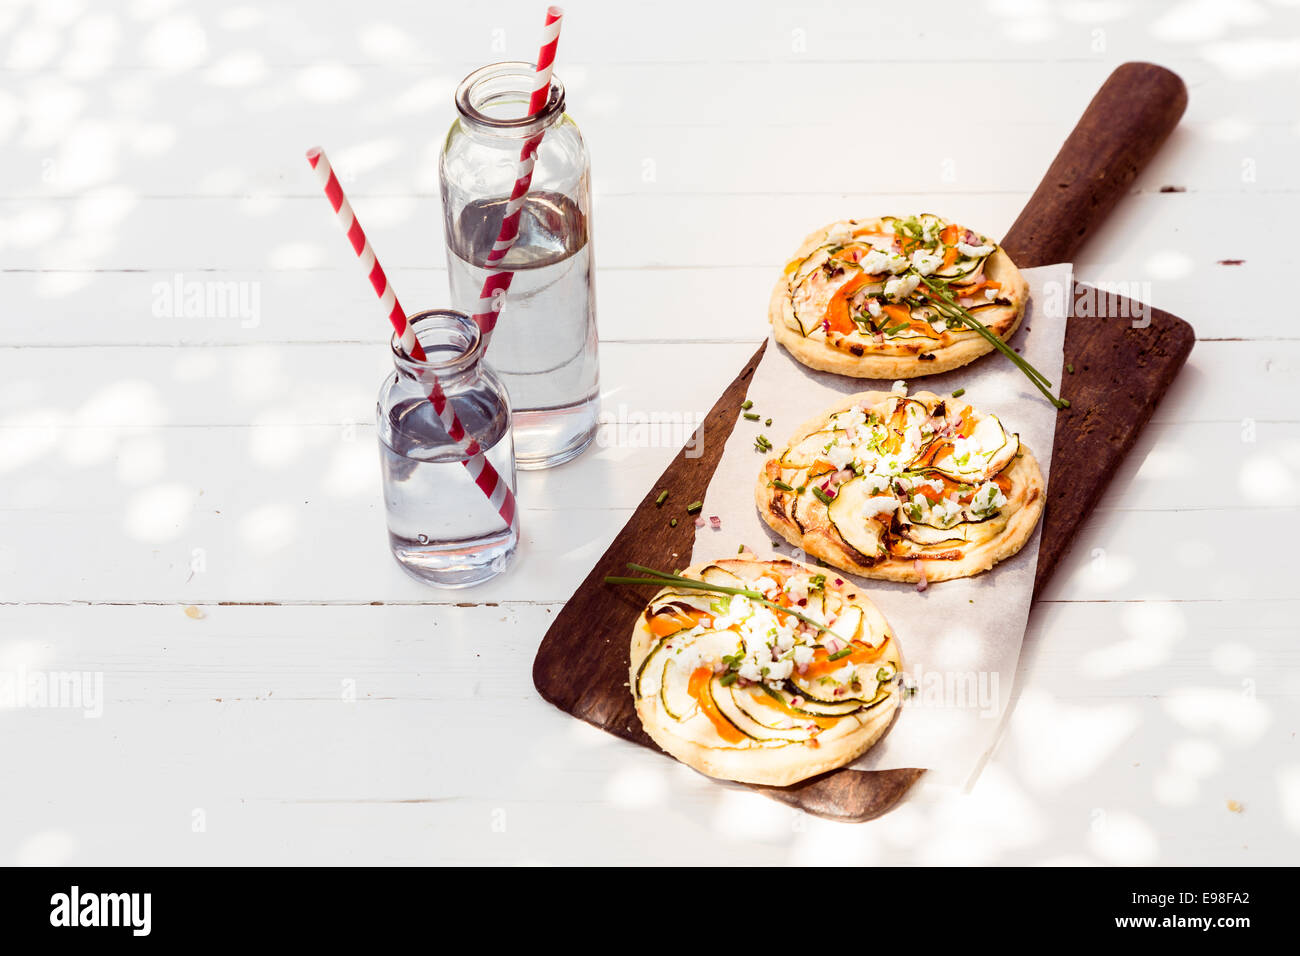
x: 744, y: 691
x: 876, y: 298
x: 912, y: 489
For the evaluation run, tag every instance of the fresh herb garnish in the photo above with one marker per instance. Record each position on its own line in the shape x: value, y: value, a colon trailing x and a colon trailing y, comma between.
x: 946, y: 305
x: 663, y: 579
x: 663, y: 496
x: 694, y: 507
x: 822, y: 496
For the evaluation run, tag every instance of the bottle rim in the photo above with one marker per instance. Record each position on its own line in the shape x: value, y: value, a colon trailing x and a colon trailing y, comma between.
x: 452, y: 343
x: 500, y: 82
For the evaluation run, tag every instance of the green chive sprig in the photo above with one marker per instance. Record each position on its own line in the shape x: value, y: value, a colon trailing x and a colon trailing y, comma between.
x: 664, y: 579
x: 947, y: 306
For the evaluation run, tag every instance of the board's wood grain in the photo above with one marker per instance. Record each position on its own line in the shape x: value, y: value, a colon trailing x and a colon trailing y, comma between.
x: 1127, y: 121
x: 1122, y: 368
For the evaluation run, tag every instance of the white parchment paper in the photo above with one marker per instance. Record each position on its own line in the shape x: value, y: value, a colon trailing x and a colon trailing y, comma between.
x: 960, y: 639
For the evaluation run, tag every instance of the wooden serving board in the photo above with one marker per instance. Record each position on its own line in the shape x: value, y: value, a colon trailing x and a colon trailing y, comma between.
x: 1122, y: 368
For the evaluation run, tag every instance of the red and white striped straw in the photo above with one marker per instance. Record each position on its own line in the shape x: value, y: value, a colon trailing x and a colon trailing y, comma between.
x: 481, y: 471
x: 497, y: 281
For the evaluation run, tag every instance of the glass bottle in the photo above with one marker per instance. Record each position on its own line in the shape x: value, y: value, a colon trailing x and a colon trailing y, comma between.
x: 442, y: 528
x: 544, y: 345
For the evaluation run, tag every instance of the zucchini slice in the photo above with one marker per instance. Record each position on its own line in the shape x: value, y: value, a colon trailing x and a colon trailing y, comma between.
x: 674, y: 692
x: 845, y: 511
x: 848, y: 625
x: 771, y: 717
x: 729, y: 705
x: 815, y: 708
x: 962, y: 533
x: 991, y: 449
x: 714, y: 574
x: 814, y: 693
x: 704, y: 646
x: 809, y: 449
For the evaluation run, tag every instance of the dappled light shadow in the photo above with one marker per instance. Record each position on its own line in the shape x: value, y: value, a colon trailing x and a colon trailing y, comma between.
x: 190, y: 357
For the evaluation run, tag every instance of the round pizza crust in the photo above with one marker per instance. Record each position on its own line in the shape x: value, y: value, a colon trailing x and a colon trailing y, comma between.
x: 769, y: 766
x: 885, y: 362
x: 820, y: 540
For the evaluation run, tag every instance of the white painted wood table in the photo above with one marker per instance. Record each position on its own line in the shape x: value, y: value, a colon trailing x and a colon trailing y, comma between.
x: 189, y: 499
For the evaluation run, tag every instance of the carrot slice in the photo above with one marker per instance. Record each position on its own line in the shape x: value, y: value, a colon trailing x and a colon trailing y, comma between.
x: 951, y: 233
x: 822, y: 665
x: 899, y: 313
x: 837, y: 313
x: 949, y: 255
x: 661, y: 625
x: 761, y: 696
x: 698, y: 687
x: 967, y: 422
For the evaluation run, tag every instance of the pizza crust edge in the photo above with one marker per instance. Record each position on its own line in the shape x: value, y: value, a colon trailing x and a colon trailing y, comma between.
x: 983, y: 556
x: 776, y: 766
x: 824, y: 358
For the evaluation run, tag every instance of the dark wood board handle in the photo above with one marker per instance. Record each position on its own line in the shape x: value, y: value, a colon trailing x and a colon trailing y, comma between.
x: 1130, y: 117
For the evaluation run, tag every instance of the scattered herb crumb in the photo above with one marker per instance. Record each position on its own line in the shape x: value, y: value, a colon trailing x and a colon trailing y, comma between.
x: 746, y: 405
x: 751, y: 416
x: 694, y: 507
x: 1070, y: 368
x: 672, y: 523
x: 768, y: 423
x: 663, y: 496
x: 958, y: 393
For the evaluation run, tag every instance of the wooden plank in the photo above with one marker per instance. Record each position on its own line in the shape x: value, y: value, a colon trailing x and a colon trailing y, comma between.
x: 1108, y: 679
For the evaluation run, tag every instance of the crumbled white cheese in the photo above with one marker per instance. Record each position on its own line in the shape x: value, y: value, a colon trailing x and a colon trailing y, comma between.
x: 873, y: 307
x: 962, y: 449
x: 841, y: 456
x: 988, y: 499
x: 879, y: 505
x: 902, y: 288
x: 899, y: 388
x: 875, y: 483
x: 877, y: 262
x: 764, y: 584
x: 739, y: 608
x: 975, y: 252
x: 803, y: 654
x: 926, y: 263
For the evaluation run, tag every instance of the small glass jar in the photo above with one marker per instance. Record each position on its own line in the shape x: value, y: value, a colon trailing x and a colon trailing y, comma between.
x: 442, y: 528
x: 544, y: 345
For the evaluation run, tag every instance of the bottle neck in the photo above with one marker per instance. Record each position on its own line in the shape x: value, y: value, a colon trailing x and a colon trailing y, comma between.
x: 493, y: 102
x: 453, y: 347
